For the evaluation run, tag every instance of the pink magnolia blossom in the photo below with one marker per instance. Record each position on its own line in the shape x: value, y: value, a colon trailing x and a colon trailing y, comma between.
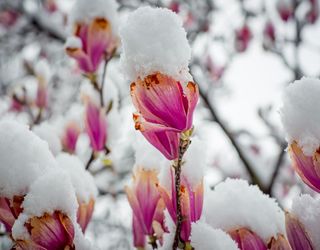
x: 313, y: 13
x: 285, y: 10
x: 297, y: 234
x: 164, y: 109
x: 48, y: 232
x: 146, y: 204
x: 84, y: 213
x: 243, y: 37
x: 96, y: 126
x: 70, y: 137
x: 308, y: 167
x: 10, y: 210
x: 191, y: 203
x: 96, y: 39
x: 269, y: 34
x: 247, y: 240
x: 42, y: 96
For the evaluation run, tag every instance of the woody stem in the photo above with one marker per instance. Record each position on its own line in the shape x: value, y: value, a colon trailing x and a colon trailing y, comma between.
x: 183, y: 146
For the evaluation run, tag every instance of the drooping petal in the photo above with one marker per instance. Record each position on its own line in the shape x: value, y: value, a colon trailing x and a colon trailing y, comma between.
x: 297, y: 235
x: 84, y: 214
x: 10, y: 210
x: 247, y: 240
x: 160, y: 99
x: 192, y: 94
x: 279, y: 243
x: 305, y: 166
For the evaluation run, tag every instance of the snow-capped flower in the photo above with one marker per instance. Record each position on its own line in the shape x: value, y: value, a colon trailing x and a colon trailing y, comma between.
x: 269, y: 35
x: 165, y: 108
x: 191, y: 202
x: 96, y: 126
x: 70, y: 136
x: 10, y: 210
x: 94, y: 33
x: 307, y: 167
x: 297, y: 234
x: 50, y: 231
x: 243, y: 37
x: 247, y: 240
x: 146, y: 204
x: 313, y: 13
x: 285, y: 9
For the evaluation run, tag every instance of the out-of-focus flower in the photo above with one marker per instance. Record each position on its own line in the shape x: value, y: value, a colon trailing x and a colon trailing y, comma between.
x: 313, y: 13
x: 247, y: 240
x: 91, y: 43
x: 42, y: 96
x: 50, y: 6
x: 216, y: 71
x: 297, y: 234
x: 8, y: 18
x: 285, y: 9
x: 243, y: 37
x: 96, y: 126
x: 10, y: 210
x: 279, y: 243
x: 308, y: 167
x: 50, y: 232
x: 191, y: 203
x: 165, y: 108
x: 84, y: 213
x: 269, y: 34
x: 70, y: 137
x: 146, y: 204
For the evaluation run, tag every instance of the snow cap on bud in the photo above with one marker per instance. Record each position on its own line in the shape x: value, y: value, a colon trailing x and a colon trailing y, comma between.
x: 300, y: 106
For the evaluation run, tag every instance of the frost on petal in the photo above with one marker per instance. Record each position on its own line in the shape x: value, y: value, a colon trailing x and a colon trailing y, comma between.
x: 204, y: 237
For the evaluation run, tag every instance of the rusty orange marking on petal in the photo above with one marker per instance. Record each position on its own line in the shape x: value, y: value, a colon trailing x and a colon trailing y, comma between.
x: 102, y: 23
x: 192, y: 86
x: 183, y: 189
x: 132, y: 86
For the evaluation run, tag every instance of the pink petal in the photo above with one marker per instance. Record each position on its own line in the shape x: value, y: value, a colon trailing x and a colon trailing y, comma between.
x: 280, y: 243
x: 139, y: 238
x: 84, y: 214
x: 247, y: 240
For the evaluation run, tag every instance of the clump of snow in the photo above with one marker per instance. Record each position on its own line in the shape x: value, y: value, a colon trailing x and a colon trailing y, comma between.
x: 307, y: 210
x: 73, y: 42
x: 85, y: 11
x: 80, y: 242
x: 23, y: 156
x: 19, y: 231
x: 49, y: 134
x: 147, y: 156
x: 195, y: 161
x: 234, y: 203
x: 51, y: 192
x: 204, y: 237
x: 299, y: 113
x: 153, y: 39
x: 81, y: 179
x: 42, y: 69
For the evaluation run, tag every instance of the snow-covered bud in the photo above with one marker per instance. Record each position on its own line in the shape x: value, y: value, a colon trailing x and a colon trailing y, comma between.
x: 50, y: 231
x: 269, y: 35
x: 70, y: 136
x: 243, y: 37
x: 42, y: 96
x: 313, y: 13
x: 279, y: 243
x: 96, y: 126
x: 161, y: 89
x: 297, y: 235
x: 300, y: 104
x: 247, y: 240
x: 146, y: 204
x: 43, y: 74
x: 94, y: 35
x: 50, y: 6
x: 285, y: 9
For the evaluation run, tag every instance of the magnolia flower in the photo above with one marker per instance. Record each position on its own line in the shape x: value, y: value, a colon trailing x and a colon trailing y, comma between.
x: 84, y: 213
x: 297, y: 234
x: 191, y: 203
x: 165, y: 109
x: 146, y: 204
x: 96, y: 126
x: 285, y: 9
x: 49, y: 232
x: 42, y: 96
x: 313, y: 13
x: 269, y: 34
x: 307, y: 167
x: 247, y: 240
x: 243, y: 37
x: 10, y: 210
x: 91, y: 43
x: 70, y: 136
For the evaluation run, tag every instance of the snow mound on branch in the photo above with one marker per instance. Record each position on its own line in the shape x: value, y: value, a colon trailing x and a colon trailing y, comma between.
x: 49, y: 134
x: 300, y: 114
x: 234, y: 203
x: 153, y: 39
x: 51, y: 192
x: 307, y: 209
x: 85, y: 11
x: 204, y: 237
x: 23, y: 156
x: 81, y: 179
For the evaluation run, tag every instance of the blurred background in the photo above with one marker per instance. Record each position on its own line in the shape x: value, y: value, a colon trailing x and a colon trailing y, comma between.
x: 245, y: 52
